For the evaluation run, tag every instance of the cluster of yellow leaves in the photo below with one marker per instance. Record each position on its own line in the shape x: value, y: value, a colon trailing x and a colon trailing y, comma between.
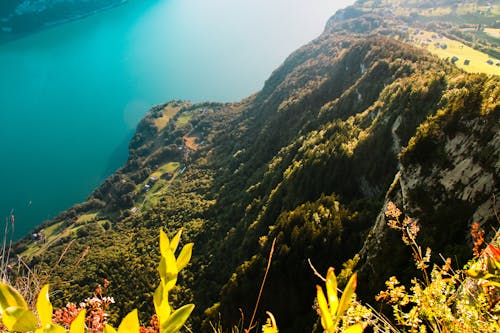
x: 331, y: 309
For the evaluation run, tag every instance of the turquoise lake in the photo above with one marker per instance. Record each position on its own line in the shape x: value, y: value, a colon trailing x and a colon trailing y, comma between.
x: 71, y: 96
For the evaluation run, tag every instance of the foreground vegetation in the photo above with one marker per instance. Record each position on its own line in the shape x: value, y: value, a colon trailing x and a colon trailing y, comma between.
x: 444, y: 300
x: 17, y: 317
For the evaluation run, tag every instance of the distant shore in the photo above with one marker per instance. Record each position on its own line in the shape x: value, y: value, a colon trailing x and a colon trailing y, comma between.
x: 10, y: 37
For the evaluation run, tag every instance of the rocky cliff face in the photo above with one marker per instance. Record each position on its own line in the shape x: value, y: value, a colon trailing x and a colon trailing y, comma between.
x: 447, y: 180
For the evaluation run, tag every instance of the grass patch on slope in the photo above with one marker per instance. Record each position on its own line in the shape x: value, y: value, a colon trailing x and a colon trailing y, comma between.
x: 185, y: 117
x: 86, y: 218
x: 477, y: 61
x: 149, y: 190
x: 170, y: 167
x: 169, y: 111
x: 51, y: 234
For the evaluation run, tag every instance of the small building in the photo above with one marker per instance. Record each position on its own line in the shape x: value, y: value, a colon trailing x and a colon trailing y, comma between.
x: 466, y: 61
x: 454, y: 59
x: 134, y: 210
x: 38, y: 236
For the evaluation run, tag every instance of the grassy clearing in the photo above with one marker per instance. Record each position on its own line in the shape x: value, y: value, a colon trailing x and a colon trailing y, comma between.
x: 30, y: 251
x: 151, y: 201
x: 52, y: 234
x: 495, y: 33
x: 477, y: 60
x: 51, y: 229
x: 95, y: 223
x: 58, y: 231
x: 184, y: 119
x: 436, y: 12
x: 152, y: 197
x: 480, y: 11
x: 475, y: 8
x: 168, y: 167
x: 149, y: 197
x: 86, y: 218
x: 167, y: 113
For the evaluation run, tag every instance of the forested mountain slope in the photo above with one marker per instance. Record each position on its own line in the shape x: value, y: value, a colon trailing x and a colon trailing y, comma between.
x: 353, y: 119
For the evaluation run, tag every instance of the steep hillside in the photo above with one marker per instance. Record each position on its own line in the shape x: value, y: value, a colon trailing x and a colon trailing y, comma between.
x: 353, y: 119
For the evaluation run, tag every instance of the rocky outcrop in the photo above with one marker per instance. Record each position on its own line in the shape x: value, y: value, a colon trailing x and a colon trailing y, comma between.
x: 447, y: 193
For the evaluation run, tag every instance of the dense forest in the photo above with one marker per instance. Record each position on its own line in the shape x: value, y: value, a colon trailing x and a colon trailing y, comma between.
x: 357, y: 118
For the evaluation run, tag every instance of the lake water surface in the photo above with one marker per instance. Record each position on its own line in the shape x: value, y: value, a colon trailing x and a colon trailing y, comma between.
x: 71, y: 96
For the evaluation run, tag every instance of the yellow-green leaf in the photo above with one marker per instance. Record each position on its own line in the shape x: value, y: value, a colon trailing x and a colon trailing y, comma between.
x: 175, y: 241
x: 44, y: 307
x: 492, y: 264
x: 164, y: 243
x: 177, y: 319
x: 162, y: 269
x: 492, y: 284
x: 158, y: 297
x: 270, y: 326
x: 51, y: 328
x: 109, y: 329
x: 78, y: 324
x: 345, y: 300
x: 331, y: 291
x: 473, y: 272
x: 162, y: 308
x: 10, y: 297
x: 18, y: 319
x: 358, y: 328
x: 168, y: 270
x: 130, y: 324
x: 184, y: 256
x: 326, y: 318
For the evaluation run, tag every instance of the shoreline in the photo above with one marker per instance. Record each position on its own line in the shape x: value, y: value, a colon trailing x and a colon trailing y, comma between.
x: 8, y: 38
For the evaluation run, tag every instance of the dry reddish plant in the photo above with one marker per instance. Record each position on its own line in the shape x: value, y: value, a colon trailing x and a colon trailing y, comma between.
x: 477, y: 237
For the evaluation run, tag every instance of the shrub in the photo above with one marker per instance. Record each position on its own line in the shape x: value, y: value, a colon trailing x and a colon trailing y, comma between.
x: 446, y: 300
x: 17, y: 317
